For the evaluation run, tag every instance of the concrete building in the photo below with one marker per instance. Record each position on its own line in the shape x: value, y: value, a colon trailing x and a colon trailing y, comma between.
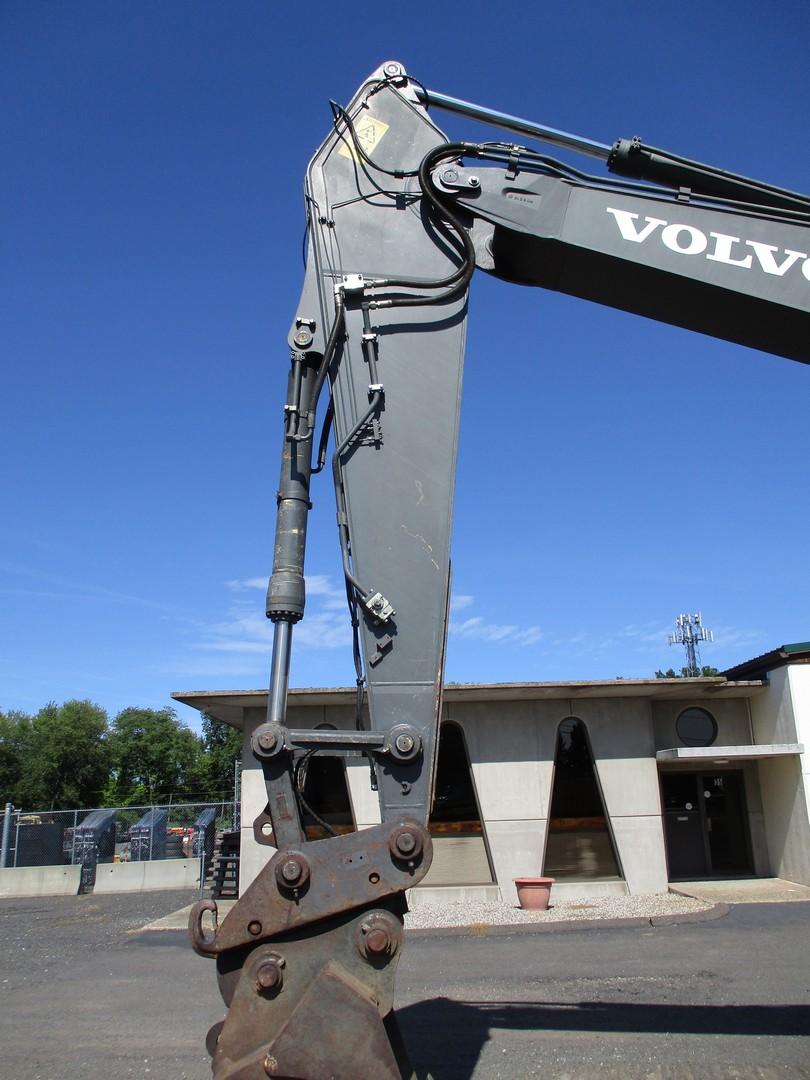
x: 617, y: 786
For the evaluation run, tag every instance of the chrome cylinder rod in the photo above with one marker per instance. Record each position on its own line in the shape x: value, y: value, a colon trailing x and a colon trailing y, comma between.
x: 279, y: 676
x: 513, y: 123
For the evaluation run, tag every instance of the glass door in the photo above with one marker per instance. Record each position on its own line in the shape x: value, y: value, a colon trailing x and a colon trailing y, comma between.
x: 705, y: 824
x: 723, y: 799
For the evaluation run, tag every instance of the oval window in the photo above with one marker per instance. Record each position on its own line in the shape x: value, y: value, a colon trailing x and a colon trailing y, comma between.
x: 696, y: 727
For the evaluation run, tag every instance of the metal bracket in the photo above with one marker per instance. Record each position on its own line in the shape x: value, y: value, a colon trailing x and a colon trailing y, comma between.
x: 378, y: 607
x: 351, y: 284
x: 314, y: 1005
x: 370, y: 865
x: 383, y: 645
x: 512, y: 164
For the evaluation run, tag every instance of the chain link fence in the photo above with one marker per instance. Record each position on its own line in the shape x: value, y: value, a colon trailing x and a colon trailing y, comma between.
x: 115, y: 834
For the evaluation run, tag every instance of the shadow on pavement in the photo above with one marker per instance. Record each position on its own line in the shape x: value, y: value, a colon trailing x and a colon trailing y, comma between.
x: 446, y: 1037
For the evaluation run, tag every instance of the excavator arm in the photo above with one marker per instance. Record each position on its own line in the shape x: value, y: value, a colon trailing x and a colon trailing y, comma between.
x: 398, y: 219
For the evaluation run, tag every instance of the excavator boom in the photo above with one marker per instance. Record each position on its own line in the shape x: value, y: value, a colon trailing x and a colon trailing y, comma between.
x: 398, y: 220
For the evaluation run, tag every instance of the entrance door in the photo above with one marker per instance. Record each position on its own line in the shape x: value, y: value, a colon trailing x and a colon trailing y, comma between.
x: 724, y: 806
x: 704, y: 824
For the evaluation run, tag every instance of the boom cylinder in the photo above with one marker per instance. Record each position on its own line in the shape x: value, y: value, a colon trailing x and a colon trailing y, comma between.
x: 286, y: 593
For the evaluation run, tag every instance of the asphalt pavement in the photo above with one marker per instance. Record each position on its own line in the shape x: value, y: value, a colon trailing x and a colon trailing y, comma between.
x: 85, y: 998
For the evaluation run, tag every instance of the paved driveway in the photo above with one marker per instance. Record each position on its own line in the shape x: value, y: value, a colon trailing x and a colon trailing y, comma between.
x: 83, y: 1000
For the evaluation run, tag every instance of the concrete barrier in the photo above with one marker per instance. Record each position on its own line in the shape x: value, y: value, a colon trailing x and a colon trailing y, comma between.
x: 147, y: 876
x: 40, y: 881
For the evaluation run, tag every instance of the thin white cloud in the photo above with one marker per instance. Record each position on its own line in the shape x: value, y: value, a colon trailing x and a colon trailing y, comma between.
x: 320, y: 585
x: 217, y: 667
x: 329, y: 596
x: 68, y: 589
x: 730, y: 635
x: 460, y: 601
x: 476, y: 628
x: 245, y: 584
x: 244, y: 638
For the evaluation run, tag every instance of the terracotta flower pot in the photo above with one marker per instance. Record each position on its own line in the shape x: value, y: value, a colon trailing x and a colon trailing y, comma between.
x: 533, y: 892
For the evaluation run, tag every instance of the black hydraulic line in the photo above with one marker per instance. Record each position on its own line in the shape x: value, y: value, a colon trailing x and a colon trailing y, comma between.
x: 343, y: 526
x: 530, y: 161
x: 376, y: 396
x: 294, y: 407
x: 339, y: 113
x: 357, y: 656
x: 328, y: 354
x: 456, y: 282
x: 326, y: 430
x: 464, y: 272
x: 301, y: 769
x: 630, y: 157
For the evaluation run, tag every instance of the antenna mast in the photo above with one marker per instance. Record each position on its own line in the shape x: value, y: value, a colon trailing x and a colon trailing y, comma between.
x: 689, y: 631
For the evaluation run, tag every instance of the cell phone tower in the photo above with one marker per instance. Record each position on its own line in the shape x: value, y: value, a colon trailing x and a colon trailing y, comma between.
x: 689, y: 631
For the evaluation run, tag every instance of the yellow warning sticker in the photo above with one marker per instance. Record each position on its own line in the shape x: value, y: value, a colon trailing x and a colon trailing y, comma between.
x: 369, y: 131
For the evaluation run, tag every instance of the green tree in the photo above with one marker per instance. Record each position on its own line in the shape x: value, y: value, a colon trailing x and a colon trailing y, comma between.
x: 154, y: 757
x: 65, y: 758
x: 222, y: 746
x: 706, y: 672
x: 16, y: 735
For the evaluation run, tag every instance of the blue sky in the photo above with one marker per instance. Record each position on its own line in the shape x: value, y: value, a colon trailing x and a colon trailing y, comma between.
x: 151, y: 263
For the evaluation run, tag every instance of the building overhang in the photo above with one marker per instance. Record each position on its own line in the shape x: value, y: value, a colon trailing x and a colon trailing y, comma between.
x: 230, y: 705
x: 724, y: 755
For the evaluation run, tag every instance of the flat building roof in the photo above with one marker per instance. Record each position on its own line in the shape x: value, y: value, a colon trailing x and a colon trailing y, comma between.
x: 229, y: 705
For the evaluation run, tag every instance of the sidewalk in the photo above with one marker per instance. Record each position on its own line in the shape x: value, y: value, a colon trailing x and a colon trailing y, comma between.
x: 743, y: 890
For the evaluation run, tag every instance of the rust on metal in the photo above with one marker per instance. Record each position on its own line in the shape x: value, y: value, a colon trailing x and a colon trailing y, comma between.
x: 202, y: 940
x: 406, y: 842
x: 292, y: 871
x: 270, y: 973
x: 332, y: 1020
x: 345, y: 872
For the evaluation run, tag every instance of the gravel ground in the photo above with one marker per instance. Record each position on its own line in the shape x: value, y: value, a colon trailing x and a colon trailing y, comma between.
x: 482, y: 913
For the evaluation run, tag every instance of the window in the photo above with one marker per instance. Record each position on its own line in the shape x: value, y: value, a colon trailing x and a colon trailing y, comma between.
x: 459, y: 851
x: 323, y: 784
x: 579, y: 845
x: 454, y: 798
x: 696, y: 727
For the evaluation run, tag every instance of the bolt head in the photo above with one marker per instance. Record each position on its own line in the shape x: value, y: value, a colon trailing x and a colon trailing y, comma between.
x: 269, y: 976
x: 291, y: 871
x: 377, y: 941
x: 405, y: 842
x: 404, y: 743
x: 268, y: 740
x: 255, y: 927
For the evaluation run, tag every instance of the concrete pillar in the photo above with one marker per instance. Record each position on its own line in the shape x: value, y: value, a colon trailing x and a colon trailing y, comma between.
x: 365, y: 804
x: 799, y: 687
x: 621, y: 737
x: 785, y: 813
x: 511, y: 750
x: 252, y: 856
